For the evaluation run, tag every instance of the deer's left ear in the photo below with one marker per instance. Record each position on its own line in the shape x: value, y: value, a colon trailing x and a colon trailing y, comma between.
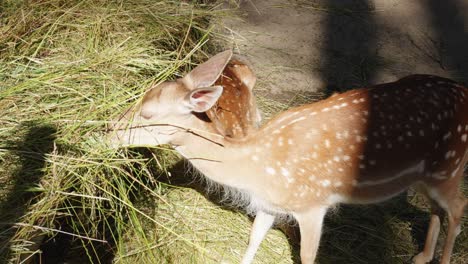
x: 201, y: 99
x: 206, y: 74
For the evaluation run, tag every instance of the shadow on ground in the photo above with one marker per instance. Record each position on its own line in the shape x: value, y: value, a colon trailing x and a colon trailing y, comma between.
x: 29, y: 152
x: 448, y: 21
x: 350, y: 59
x: 30, y: 155
x: 349, y: 54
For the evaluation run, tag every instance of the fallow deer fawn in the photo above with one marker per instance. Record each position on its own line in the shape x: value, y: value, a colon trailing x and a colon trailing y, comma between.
x: 362, y: 146
x: 235, y: 114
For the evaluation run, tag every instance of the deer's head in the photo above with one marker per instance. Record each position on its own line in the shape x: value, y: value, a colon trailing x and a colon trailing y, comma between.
x: 171, y: 107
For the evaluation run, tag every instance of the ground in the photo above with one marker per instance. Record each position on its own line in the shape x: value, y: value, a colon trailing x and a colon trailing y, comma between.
x: 313, y: 45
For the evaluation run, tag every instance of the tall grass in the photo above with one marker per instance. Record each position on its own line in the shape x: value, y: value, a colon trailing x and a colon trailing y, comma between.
x: 67, y: 67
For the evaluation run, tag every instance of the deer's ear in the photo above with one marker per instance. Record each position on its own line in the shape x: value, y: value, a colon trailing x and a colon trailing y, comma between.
x: 206, y: 74
x: 201, y: 99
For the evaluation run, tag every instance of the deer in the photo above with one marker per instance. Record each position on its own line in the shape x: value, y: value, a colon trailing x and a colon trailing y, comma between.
x: 235, y: 114
x: 362, y: 146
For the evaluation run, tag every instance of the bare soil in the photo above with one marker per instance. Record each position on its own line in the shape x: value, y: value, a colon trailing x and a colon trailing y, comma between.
x: 337, y: 45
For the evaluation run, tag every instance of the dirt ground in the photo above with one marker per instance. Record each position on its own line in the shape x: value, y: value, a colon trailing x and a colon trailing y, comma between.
x: 310, y: 46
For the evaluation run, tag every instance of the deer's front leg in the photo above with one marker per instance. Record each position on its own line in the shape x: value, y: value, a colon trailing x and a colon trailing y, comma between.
x: 261, y: 225
x: 310, y: 224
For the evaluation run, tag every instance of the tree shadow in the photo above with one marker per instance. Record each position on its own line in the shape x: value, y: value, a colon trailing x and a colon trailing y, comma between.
x: 447, y: 20
x: 369, y: 233
x: 30, y: 154
x: 349, y: 57
x: 361, y: 234
x: 64, y: 248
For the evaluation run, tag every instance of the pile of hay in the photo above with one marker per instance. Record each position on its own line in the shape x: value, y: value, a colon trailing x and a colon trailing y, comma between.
x: 67, y: 67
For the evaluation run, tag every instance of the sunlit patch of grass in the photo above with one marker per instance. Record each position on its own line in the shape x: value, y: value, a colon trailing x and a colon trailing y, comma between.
x: 68, y: 67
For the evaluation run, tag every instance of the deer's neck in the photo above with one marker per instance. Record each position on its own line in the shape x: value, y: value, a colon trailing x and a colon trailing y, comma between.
x: 212, y: 154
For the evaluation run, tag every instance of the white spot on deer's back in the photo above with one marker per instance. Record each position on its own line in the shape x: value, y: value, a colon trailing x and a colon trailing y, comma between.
x: 289, y: 179
x: 338, y: 135
x: 270, y: 170
x: 447, y: 136
x: 447, y: 154
x: 280, y: 141
x: 450, y: 154
x: 345, y: 134
x: 325, y: 183
x: 463, y: 137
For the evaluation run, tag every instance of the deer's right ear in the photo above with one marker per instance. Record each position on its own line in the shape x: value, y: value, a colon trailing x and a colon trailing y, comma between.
x: 206, y: 74
x: 202, y: 99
